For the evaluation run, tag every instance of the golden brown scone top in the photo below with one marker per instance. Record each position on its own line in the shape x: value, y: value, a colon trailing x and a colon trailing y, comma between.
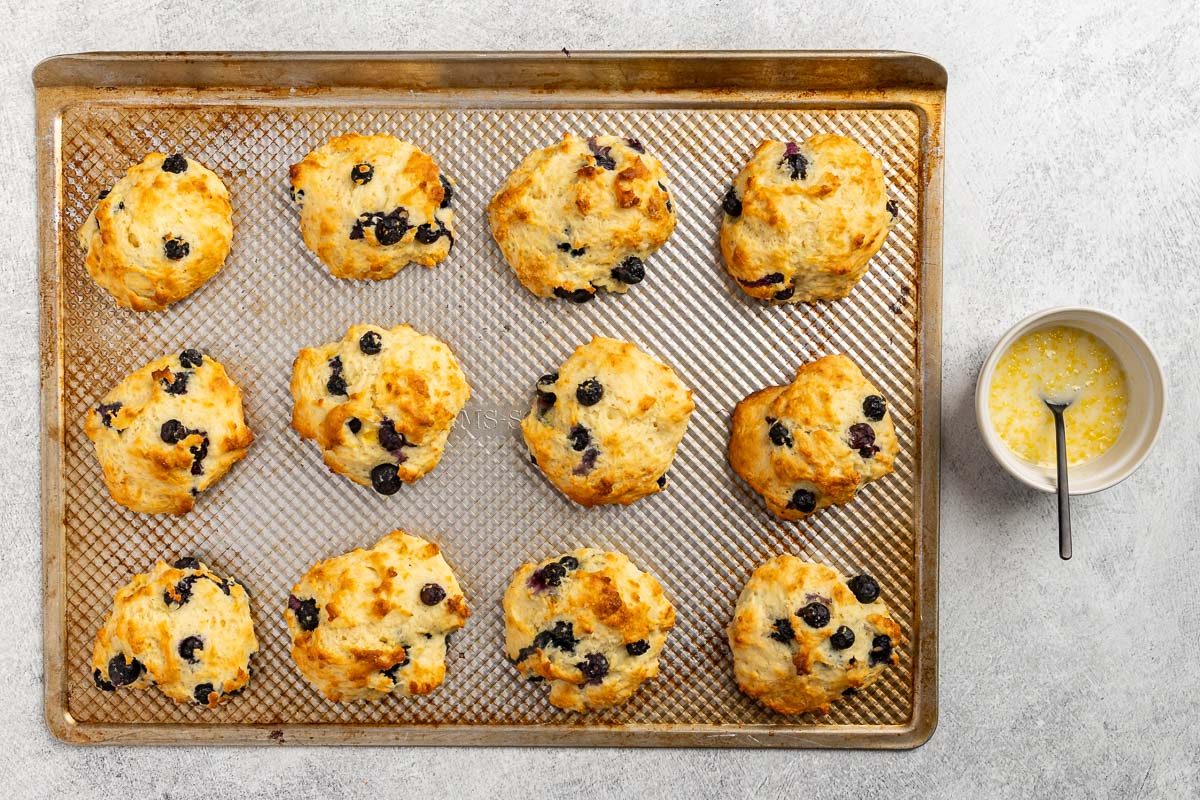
x: 168, y: 431
x: 379, y: 403
x: 582, y: 214
x: 814, y: 442
x: 182, y: 628
x: 371, y: 205
x: 372, y: 622
x: 802, y: 221
x: 161, y: 231
x: 590, y: 623
x: 605, y: 427
x: 803, y: 636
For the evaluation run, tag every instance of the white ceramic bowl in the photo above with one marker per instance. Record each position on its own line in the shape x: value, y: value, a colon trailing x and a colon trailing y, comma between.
x: 1147, y: 396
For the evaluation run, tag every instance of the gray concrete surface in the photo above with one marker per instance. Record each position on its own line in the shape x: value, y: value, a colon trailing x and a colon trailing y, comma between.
x: 1073, y: 176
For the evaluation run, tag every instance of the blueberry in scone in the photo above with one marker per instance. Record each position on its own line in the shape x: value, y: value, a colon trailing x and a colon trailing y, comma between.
x: 373, y: 622
x: 582, y: 215
x: 814, y: 442
x: 590, y: 623
x: 804, y: 636
x: 801, y: 221
x: 604, y: 428
x: 379, y: 403
x: 180, y: 627
x: 159, y: 233
x: 371, y: 205
x: 168, y: 431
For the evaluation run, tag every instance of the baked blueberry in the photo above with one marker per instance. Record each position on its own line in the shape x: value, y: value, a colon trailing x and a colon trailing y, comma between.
x: 102, y: 684
x: 769, y: 279
x: 892, y: 208
x: 392, y: 671
x: 594, y: 667
x: 427, y: 234
x: 188, y: 648
x: 362, y: 173
x: 391, y: 229
x: 548, y: 576
x: 354, y: 424
x: 175, y: 383
x: 576, y: 296
x: 662, y: 481
x: 385, y: 479
x: 587, y: 463
x: 562, y: 636
x: 731, y: 205
x: 107, y: 411
x: 874, y: 407
x: 122, y: 672
x: 580, y: 438
x: 336, y: 385
x: 204, y: 693
x: 803, y: 501
x: 306, y: 611
x: 173, y: 431
x: 176, y: 248
x: 447, y: 192
x: 796, y: 163
x: 191, y: 358
x: 782, y: 631
x: 815, y: 615
x: 199, y: 453
x: 784, y: 294
x: 589, y: 392
x: 865, y: 588
x: 780, y: 436
x: 570, y: 562
x: 601, y: 154
x: 862, y: 438
x: 630, y: 271
x: 842, y: 638
x: 638, y: 648
x: 181, y: 592
x: 187, y: 562
x: 432, y: 594
x: 881, y: 651
x: 176, y: 164
x: 392, y: 440
x: 370, y: 343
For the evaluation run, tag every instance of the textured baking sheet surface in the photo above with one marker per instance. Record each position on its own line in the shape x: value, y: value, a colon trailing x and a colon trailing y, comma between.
x: 281, y: 509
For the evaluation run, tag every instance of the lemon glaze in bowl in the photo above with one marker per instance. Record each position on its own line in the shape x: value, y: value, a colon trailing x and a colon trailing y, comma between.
x: 1146, y: 401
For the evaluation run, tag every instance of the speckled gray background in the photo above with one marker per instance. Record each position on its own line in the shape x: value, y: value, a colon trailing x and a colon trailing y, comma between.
x: 1073, y: 176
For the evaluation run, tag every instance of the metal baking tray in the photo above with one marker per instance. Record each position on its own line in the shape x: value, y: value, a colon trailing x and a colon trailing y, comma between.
x: 250, y: 115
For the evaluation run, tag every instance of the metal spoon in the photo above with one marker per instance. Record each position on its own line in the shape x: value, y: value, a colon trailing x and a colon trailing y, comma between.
x: 1064, y: 495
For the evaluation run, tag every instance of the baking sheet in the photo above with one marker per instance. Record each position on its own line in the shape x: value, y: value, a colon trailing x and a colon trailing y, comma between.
x: 248, y: 118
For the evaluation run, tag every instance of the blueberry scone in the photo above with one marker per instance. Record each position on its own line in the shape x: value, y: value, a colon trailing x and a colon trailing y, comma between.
x: 379, y: 403
x: 802, y: 221
x: 168, y: 431
x: 814, y: 442
x: 604, y: 428
x: 371, y: 205
x: 159, y: 233
x: 590, y: 623
x: 803, y: 636
x: 373, y: 622
x: 180, y: 627
x: 582, y: 215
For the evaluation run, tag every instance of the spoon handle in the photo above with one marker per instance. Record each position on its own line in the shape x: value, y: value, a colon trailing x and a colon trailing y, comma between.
x: 1064, y: 494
